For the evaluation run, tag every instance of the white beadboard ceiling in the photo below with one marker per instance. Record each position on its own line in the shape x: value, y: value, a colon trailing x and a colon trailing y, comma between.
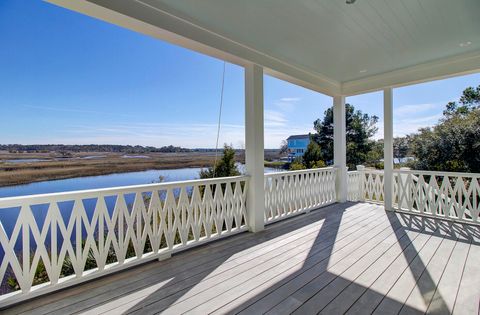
x: 326, y: 38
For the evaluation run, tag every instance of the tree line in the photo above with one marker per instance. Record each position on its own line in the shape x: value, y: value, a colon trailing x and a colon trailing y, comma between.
x: 107, y: 148
x: 451, y: 145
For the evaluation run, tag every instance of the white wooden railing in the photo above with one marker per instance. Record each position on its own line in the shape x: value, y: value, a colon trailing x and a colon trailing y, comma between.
x: 454, y: 196
x: 56, y: 240
x: 370, y: 185
x: 447, y: 195
x: 95, y: 232
x: 295, y: 192
x: 354, y: 186
x: 76, y: 236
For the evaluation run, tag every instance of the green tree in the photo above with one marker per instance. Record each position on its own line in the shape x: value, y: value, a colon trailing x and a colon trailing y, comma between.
x: 312, y: 157
x: 297, y: 164
x: 224, y: 167
x: 360, y: 128
x: 375, y: 155
x: 469, y: 101
x: 454, y: 143
x: 401, y: 147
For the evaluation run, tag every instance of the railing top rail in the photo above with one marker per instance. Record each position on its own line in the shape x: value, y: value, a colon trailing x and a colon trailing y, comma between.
x: 373, y: 171
x: 437, y: 173
x: 69, y: 195
x: 299, y: 171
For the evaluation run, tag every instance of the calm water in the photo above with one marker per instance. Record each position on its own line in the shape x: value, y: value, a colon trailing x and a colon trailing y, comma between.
x: 105, y: 181
x: 90, y: 157
x: 21, y: 161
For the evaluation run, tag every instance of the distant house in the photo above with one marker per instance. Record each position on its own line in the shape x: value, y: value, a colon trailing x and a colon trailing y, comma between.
x: 297, y: 145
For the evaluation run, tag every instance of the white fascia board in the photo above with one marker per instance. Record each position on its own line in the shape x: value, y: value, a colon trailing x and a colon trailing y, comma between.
x: 435, y: 70
x: 152, y: 21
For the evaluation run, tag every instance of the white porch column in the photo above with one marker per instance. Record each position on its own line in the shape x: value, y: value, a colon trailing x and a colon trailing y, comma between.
x: 254, y: 147
x: 340, y: 147
x: 388, y: 147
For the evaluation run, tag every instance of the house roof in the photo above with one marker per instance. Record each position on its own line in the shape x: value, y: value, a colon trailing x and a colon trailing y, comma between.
x: 294, y: 137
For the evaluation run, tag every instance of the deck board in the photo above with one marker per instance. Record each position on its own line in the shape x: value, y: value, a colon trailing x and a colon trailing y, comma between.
x: 369, y: 271
x: 352, y: 257
x: 393, y: 301
x: 468, y: 295
x: 446, y: 291
x: 381, y: 273
x: 423, y: 291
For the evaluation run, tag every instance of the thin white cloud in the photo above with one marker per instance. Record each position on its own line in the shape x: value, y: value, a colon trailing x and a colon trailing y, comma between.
x: 190, y: 135
x: 186, y: 135
x: 287, y: 103
x: 407, y: 119
x: 275, y: 118
x: 405, y: 126
x: 410, y: 109
x: 429, y: 120
x: 290, y: 99
x: 160, y: 134
x: 73, y: 110
x: 203, y: 135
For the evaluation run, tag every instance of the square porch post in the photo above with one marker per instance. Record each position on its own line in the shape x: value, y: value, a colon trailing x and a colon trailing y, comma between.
x: 340, y: 146
x: 254, y: 146
x: 388, y: 148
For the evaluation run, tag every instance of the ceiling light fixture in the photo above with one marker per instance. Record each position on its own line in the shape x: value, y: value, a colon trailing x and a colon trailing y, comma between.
x: 465, y: 44
x: 363, y: 71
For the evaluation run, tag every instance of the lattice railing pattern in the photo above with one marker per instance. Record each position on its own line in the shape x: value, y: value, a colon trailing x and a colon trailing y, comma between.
x: 353, y: 186
x: 442, y: 194
x: 74, y: 236
x: 373, y: 185
x: 289, y: 193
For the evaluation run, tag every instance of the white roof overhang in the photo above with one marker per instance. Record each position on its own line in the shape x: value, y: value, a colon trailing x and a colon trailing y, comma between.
x: 324, y: 45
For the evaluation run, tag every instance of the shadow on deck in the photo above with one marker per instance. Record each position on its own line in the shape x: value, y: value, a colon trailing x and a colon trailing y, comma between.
x: 345, y: 258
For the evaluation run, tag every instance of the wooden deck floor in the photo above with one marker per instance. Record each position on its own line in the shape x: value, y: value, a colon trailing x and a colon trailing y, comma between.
x: 350, y: 258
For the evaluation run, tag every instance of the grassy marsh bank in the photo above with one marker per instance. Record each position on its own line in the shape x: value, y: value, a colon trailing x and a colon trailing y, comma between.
x: 82, y: 164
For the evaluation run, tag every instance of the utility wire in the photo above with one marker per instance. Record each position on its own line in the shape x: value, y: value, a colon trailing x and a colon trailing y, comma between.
x: 219, y: 118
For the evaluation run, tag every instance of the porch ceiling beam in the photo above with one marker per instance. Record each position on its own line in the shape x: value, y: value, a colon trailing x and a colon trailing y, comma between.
x: 153, y: 21
x: 435, y: 70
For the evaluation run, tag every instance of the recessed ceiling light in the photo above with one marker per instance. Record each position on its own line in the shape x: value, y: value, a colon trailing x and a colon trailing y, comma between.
x: 363, y: 71
x: 465, y: 44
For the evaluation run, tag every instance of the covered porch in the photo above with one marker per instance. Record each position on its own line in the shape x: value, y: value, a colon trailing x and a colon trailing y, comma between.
x: 358, y: 241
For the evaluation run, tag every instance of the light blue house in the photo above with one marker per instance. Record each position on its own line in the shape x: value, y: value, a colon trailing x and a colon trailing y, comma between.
x: 297, y: 145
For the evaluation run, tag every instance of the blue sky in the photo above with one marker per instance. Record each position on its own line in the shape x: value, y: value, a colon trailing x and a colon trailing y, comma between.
x: 68, y: 78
